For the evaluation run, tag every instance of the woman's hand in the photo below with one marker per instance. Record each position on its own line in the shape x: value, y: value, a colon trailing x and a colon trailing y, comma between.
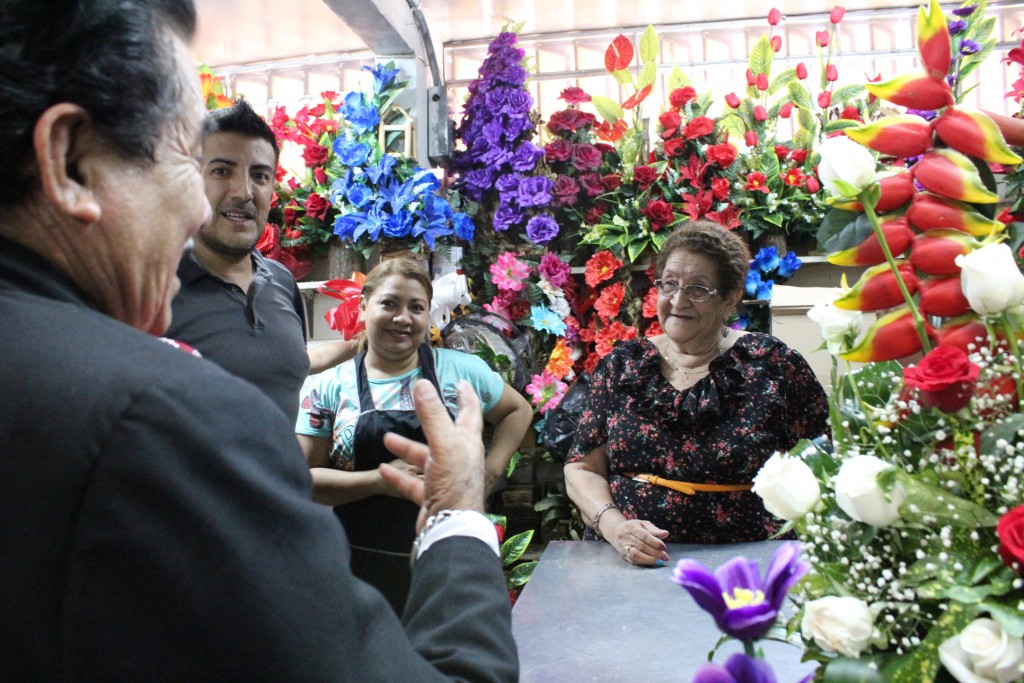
x: 389, y: 488
x: 639, y: 542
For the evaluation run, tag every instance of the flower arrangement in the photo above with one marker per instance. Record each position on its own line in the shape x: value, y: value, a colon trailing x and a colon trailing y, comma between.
x: 354, y: 185
x: 909, y: 514
x: 766, y: 270
x: 213, y: 89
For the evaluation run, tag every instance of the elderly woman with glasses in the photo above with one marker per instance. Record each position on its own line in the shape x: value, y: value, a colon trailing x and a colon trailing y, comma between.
x: 675, y: 426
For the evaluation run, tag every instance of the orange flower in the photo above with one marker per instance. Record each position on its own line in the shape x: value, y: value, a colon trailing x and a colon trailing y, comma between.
x: 607, y: 305
x: 608, y: 336
x: 650, y: 306
x: 600, y: 267
x: 560, y: 362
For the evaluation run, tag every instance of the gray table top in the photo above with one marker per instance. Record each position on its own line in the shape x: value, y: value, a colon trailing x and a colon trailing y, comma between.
x: 586, y: 615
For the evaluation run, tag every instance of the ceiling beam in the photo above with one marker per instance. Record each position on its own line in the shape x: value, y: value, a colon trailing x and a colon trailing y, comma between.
x: 386, y: 26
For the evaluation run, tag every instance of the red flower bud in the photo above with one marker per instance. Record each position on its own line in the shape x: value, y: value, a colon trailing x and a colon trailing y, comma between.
x: 899, y: 135
x: 877, y: 289
x: 762, y: 82
x: 974, y: 134
x: 962, y: 333
x: 950, y: 174
x: 732, y: 100
x: 785, y: 110
x: 776, y: 42
x: 801, y: 71
x: 750, y: 137
x: 812, y: 184
x: 760, y: 113
x: 824, y: 99
x: 943, y: 297
x: 821, y: 38
x: 751, y: 77
x: 932, y: 212
x: 836, y: 15
x: 774, y: 16
x: 831, y: 73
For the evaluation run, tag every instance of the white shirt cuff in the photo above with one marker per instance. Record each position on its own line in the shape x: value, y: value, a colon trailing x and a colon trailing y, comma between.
x: 466, y: 523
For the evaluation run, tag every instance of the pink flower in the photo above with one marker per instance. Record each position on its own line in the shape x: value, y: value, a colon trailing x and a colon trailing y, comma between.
x: 750, y: 137
x: 732, y: 100
x: 776, y: 42
x: 821, y: 38
x: 836, y: 15
x: 751, y: 77
x: 546, y: 391
x: 785, y: 110
x: 774, y: 16
x: 574, y: 95
x: 831, y: 73
x: 760, y: 113
x: 824, y: 99
x: 554, y: 270
x: 508, y: 272
x: 762, y: 81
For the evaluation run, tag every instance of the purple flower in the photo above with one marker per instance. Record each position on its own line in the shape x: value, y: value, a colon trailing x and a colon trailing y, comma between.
x: 554, y: 270
x: 535, y: 191
x: 479, y: 180
x: 738, y: 669
x: 507, y: 216
x: 508, y: 183
x: 495, y: 99
x: 957, y: 26
x: 541, y: 228
x: 965, y: 11
x: 968, y: 47
x: 493, y: 131
x: 526, y: 156
x: 519, y: 103
x: 497, y: 156
x: 504, y: 39
x: 743, y: 604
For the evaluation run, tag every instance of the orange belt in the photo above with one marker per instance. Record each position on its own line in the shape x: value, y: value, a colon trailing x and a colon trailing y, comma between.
x: 687, y: 487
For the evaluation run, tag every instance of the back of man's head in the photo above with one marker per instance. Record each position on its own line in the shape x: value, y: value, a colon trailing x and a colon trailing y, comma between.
x: 113, y: 58
x: 243, y: 120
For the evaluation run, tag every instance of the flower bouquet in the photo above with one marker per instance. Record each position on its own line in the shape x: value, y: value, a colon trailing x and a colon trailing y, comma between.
x: 766, y: 270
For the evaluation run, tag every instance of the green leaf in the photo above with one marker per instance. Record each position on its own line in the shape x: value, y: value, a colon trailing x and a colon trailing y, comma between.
x: 677, y: 79
x: 635, y: 248
x: 1009, y: 616
x: 1007, y: 431
x: 647, y: 75
x: 761, y: 56
x: 806, y: 119
x: 803, y: 138
x: 512, y: 463
x: 845, y: 93
x: 649, y: 46
x: 623, y: 76
x: 549, y: 502
x: 499, y: 520
x: 922, y: 663
x: 520, y: 574
x: 800, y: 95
x: 733, y: 124
x: 513, y: 548
x: 840, y: 124
x: 782, y: 81
x: 769, y: 165
x: 610, y: 110
x: 860, y: 670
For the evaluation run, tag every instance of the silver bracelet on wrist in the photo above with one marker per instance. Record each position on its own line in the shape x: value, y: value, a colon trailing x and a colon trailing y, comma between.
x: 432, y: 521
x: 596, y: 526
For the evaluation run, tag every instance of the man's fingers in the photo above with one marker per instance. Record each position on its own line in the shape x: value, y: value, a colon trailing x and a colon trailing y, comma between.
x: 412, y: 452
x: 470, y: 414
x: 408, y: 484
x: 430, y: 410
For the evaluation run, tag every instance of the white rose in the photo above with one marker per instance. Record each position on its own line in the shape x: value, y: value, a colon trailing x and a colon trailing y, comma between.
x: 983, y: 653
x: 845, y: 161
x: 859, y: 495
x: 835, y: 323
x: 990, y: 279
x: 838, y: 624
x: 787, y: 487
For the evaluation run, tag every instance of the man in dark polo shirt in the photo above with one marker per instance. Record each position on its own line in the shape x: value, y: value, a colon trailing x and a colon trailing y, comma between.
x: 239, y: 309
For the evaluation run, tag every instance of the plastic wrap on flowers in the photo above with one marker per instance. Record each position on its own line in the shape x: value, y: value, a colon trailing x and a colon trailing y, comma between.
x: 504, y: 346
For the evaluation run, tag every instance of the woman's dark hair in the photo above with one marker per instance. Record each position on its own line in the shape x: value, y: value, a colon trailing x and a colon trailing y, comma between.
x: 403, y: 266
x: 113, y: 58
x: 726, y: 249
x: 241, y: 119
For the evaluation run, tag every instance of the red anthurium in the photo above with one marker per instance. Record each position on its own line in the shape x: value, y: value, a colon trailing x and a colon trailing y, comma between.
x: 931, y: 212
x: 933, y: 42
x: 892, y: 336
x: 950, y: 174
x: 637, y: 97
x: 877, y: 289
x: 898, y: 135
x: 732, y: 100
x: 898, y: 236
x: 943, y: 297
x: 916, y: 90
x: 619, y: 54
x: 975, y: 134
x: 934, y: 252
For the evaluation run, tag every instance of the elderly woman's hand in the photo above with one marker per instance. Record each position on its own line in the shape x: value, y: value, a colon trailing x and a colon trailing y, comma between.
x: 639, y: 542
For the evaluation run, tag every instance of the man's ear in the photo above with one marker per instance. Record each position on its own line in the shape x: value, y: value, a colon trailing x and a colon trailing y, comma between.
x: 61, y: 139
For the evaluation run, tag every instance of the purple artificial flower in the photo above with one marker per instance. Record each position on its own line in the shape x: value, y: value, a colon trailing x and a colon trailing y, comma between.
x: 526, y: 156
x: 508, y: 183
x: 507, y: 216
x: 554, y: 270
x: 497, y: 156
x: 496, y: 98
x: 541, y: 229
x: 739, y: 668
x: 743, y: 604
x: 968, y: 47
x: 535, y: 191
x: 478, y: 181
x: 519, y: 103
x: 493, y: 131
x: 565, y: 191
x: 504, y: 39
x: 965, y: 11
x: 957, y: 26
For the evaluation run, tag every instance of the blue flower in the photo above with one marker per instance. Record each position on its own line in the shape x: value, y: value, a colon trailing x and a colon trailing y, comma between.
x: 398, y: 225
x: 433, y: 221
x: 543, y: 318
x: 382, y: 169
x: 340, y: 188
x: 790, y: 264
x: 767, y: 259
x: 464, y: 227
x: 359, y: 196
x: 345, y: 226
x: 764, y: 290
x: 360, y: 116
x: 351, y: 154
x: 382, y: 76
x: 371, y: 223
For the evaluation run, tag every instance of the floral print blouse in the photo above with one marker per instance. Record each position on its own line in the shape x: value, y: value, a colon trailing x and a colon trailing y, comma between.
x: 760, y: 396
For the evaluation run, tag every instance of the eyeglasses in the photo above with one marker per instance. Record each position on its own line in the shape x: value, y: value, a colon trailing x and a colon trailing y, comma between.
x: 696, y: 293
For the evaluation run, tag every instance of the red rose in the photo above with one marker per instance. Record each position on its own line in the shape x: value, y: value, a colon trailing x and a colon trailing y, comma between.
x: 945, y: 378
x: 659, y: 213
x: 681, y: 96
x: 781, y: 151
x: 317, y: 206
x: 644, y: 176
x: 320, y: 176
x: 591, y: 184
x: 1010, y: 531
x: 670, y: 120
x: 851, y: 113
x: 290, y: 216
x: 611, y: 181
x: 314, y: 155
x: 574, y: 95
x: 558, y: 150
x: 565, y: 191
x: 604, y: 147
x: 720, y: 188
x: 698, y: 127
x: 595, y: 213
x: 585, y: 157
x: 675, y: 147
x: 723, y: 154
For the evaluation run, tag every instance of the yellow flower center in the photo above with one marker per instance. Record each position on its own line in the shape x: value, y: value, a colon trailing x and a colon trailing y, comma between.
x: 743, y: 597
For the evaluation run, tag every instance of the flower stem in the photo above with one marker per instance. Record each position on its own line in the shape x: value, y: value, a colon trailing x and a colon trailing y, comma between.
x: 1011, y: 337
x: 748, y: 649
x: 869, y: 210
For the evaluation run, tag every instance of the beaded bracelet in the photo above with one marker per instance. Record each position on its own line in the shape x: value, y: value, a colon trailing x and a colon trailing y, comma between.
x: 596, y: 526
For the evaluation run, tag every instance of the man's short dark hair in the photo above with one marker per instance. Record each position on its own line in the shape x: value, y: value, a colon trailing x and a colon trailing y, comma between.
x: 113, y: 58
x: 243, y: 120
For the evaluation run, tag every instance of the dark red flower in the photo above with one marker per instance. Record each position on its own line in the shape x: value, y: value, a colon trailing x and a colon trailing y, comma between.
x: 851, y: 113
x: 659, y: 213
x: 319, y: 175
x: 781, y: 151
x: 595, y: 213
x: 316, y: 206
x: 574, y: 95
x: 1010, y: 530
x: 314, y: 155
x: 558, y: 149
x: 675, y: 147
x: 681, y: 96
x: 798, y: 155
x: 611, y: 181
x: 565, y: 191
x: 585, y: 157
x: 644, y: 176
x: 945, y: 378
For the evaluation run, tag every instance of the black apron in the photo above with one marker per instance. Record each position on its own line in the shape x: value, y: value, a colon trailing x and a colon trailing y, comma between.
x: 381, y: 528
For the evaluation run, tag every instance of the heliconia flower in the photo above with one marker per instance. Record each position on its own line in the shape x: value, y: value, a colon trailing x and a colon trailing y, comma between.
x: 898, y: 236
x: 962, y: 333
x: 760, y: 113
x: 801, y: 71
x: 950, y: 174
x: 975, y: 134
x: 750, y: 137
x: 831, y: 73
x: 892, y: 336
x: 774, y: 16
x: 825, y: 99
x: 899, y: 135
x: 877, y: 289
x: 762, y: 81
x: 897, y: 190
x: 934, y: 252
x: 751, y: 77
x: 836, y: 15
x: 933, y: 42
x: 785, y: 110
x: 942, y: 297
x: 931, y: 212
x: 916, y: 90
x: 732, y: 100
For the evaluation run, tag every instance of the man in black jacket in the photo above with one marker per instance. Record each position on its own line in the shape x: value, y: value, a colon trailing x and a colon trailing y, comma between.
x: 156, y: 512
